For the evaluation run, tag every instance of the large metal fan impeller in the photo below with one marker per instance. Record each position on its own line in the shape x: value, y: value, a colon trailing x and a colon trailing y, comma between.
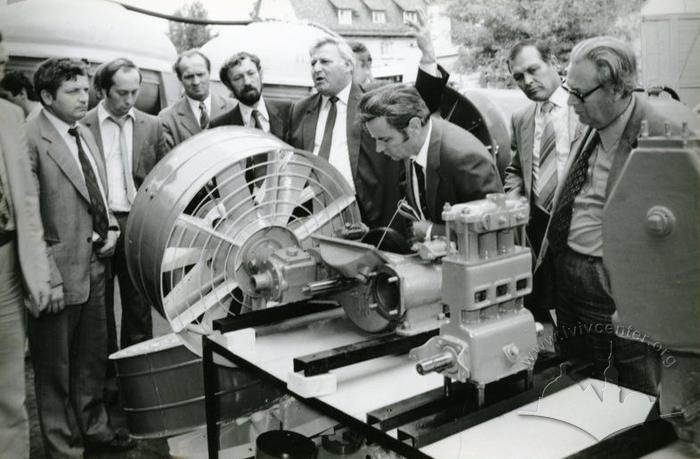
x: 212, y: 212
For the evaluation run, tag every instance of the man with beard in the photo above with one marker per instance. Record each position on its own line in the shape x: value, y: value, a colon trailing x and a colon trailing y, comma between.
x: 242, y: 75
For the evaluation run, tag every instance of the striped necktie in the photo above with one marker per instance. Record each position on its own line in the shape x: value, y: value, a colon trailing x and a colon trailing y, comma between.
x: 203, y: 116
x: 545, y: 171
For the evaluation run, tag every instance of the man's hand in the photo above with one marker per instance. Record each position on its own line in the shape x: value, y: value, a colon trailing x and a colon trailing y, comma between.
x: 421, y: 32
x: 110, y: 244
x: 420, y: 230
x: 56, y: 303
x: 39, y: 304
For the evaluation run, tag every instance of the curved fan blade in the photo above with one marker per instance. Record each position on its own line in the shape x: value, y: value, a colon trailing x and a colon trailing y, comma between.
x: 199, y: 225
x: 316, y: 221
x: 284, y: 186
x: 179, y: 257
x: 203, y: 304
x: 234, y: 194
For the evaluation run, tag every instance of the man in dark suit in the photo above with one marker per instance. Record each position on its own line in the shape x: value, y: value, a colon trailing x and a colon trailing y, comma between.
x: 129, y: 140
x: 24, y: 271
x: 69, y: 340
x: 601, y: 80
x: 194, y: 111
x: 443, y: 162
x: 328, y: 124
x: 242, y: 75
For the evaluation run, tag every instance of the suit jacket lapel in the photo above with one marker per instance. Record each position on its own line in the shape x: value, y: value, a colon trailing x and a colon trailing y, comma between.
x: 628, y: 141
x: 432, y: 175
x: 57, y: 150
x: 93, y: 123
x: 276, y: 124
x: 354, y: 128
x: 186, y: 117
x: 138, y: 140
x: 310, y: 121
x: 98, y: 157
x: 218, y: 106
x: 528, y: 139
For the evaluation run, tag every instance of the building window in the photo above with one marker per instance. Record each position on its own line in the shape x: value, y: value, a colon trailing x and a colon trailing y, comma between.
x: 410, y: 16
x: 345, y: 17
x: 378, y: 17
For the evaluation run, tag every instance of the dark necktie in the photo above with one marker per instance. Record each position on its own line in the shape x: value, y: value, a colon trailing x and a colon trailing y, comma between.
x: 416, y: 197
x: 203, y: 116
x: 256, y: 119
x: 561, y: 218
x: 325, y: 150
x: 97, y: 205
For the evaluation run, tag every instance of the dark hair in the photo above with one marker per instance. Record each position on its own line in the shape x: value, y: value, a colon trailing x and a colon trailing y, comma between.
x: 397, y: 103
x: 546, y: 53
x: 235, y: 60
x: 53, y: 72
x: 357, y: 47
x: 190, y: 53
x: 614, y: 59
x: 104, y: 75
x: 15, y: 81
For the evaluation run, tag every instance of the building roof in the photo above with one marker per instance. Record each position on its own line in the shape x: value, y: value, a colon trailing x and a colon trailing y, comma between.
x: 409, y: 5
x: 376, y: 5
x: 345, y: 4
x: 325, y: 12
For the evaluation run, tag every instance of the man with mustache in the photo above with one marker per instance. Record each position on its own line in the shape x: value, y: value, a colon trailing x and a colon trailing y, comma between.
x: 68, y: 340
x: 242, y: 75
x: 542, y: 135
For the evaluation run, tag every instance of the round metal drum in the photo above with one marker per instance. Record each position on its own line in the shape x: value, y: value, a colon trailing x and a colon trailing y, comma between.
x: 214, y: 209
x: 162, y: 388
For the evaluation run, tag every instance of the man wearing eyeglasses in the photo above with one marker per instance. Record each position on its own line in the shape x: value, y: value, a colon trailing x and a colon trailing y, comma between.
x: 601, y: 80
x: 540, y: 144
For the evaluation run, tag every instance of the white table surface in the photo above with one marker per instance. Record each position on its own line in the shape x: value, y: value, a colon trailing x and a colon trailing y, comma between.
x: 558, y: 425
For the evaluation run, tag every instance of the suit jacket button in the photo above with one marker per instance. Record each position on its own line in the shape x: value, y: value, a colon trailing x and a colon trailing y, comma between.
x: 89, y: 239
x: 89, y: 211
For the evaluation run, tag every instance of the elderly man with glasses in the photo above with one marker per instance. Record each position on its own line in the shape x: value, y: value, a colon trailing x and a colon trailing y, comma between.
x: 601, y: 81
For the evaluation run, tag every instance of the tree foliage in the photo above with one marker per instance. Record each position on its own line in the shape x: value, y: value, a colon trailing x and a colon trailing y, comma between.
x: 487, y: 29
x: 187, y: 36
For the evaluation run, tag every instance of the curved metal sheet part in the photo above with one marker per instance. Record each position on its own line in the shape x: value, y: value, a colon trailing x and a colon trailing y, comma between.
x: 214, y: 210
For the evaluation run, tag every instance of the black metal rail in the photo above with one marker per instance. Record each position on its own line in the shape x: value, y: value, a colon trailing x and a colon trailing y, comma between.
x: 322, y: 362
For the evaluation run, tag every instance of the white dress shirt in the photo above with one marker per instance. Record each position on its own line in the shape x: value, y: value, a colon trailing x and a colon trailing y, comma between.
x: 117, y: 171
x: 339, y: 156
x: 586, y: 230
x: 247, y: 114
